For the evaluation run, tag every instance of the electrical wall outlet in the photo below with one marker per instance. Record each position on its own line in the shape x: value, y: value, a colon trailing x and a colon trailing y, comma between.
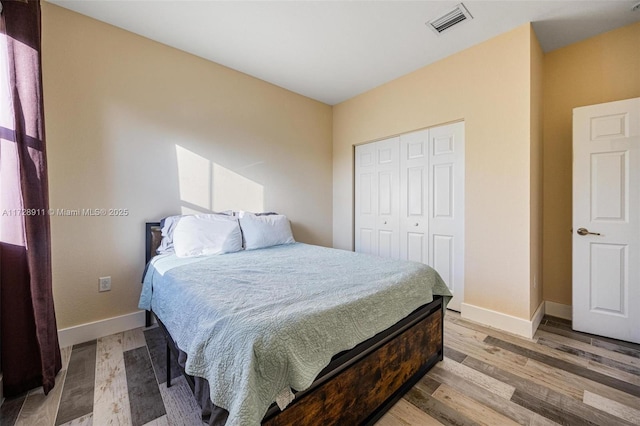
x: 104, y: 284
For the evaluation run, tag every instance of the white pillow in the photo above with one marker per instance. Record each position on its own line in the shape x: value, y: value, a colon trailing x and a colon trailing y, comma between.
x: 202, y: 235
x: 265, y: 231
x: 168, y: 225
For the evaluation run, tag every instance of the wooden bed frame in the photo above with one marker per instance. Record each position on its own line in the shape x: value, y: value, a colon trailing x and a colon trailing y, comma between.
x: 359, y: 385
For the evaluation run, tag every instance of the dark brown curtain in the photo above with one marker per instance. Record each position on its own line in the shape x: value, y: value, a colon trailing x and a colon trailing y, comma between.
x: 28, y: 331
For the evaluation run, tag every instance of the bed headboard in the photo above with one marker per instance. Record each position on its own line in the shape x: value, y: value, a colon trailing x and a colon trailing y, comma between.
x: 153, y: 236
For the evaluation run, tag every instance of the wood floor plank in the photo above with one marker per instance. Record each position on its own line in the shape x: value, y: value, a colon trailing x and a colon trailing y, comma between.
x: 566, y: 333
x: 549, y: 411
x: 470, y: 408
x: 632, y: 415
x: 570, y: 367
x: 436, y: 409
x: 10, y: 409
x: 457, y: 329
x: 590, y: 356
x: 473, y: 376
x: 406, y: 414
x: 625, y: 359
x: 614, y: 372
x: 453, y: 354
x: 133, y: 339
x: 77, y: 394
x: 499, y: 404
x: 40, y: 409
x: 157, y: 350
x: 427, y: 385
x: 571, y: 404
x: 584, y: 384
x: 616, y: 347
x: 182, y: 408
x: 558, y: 320
x: 561, y: 324
x: 111, y: 397
x: 495, y: 356
x: 160, y: 421
x: 630, y: 345
x: 144, y: 395
x: 471, y: 346
x: 529, y: 345
x: 86, y: 420
x: 389, y: 420
x: 65, y: 356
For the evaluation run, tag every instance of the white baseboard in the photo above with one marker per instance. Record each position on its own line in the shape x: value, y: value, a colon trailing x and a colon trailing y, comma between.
x: 94, y: 330
x: 558, y: 310
x: 537, y: 318
x: 509, y: 323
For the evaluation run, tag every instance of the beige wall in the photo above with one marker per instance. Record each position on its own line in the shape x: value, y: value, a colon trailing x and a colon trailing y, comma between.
x: 536, y: 110
x: 489, y: 86
x: 136, y: 125
x: 601, y: 69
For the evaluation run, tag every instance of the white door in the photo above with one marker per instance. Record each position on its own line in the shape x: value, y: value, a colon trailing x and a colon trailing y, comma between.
x: 606, y: 219
x: 366, y: 199
x: 446, y: 207
x: 388, y: 191
x: 377, y: 219
x: 414, y: 184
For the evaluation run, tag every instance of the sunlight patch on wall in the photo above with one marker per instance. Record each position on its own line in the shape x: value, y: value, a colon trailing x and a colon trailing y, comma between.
x: 206, y: 186
x: 232, y: 191
x: 194, y: 178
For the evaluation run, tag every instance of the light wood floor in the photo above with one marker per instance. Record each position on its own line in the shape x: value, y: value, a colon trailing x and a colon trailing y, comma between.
x: 488, y: 377
x: 560, y: 376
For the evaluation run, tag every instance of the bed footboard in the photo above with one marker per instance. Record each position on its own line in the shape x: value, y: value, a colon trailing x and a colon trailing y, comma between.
x: 362, y: 392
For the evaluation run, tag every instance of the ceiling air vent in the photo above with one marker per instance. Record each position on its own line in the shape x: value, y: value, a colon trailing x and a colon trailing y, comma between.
x: 448, y: 20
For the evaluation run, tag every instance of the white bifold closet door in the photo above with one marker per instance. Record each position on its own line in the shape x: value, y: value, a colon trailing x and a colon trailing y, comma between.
x: 409, y: 201
x: 377, y: 198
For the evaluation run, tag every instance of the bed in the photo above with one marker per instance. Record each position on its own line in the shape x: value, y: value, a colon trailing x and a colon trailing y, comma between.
x: 354, y: 385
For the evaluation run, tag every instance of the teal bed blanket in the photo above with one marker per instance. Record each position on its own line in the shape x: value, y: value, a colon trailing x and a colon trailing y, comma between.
x: 259, y: 323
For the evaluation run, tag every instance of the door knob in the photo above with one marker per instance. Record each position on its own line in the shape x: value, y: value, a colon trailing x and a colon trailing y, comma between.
x: 417, y: 224
x: 584, y: 231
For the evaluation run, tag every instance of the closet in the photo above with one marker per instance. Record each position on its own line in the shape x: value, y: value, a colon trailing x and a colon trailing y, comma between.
x: 409, y: 201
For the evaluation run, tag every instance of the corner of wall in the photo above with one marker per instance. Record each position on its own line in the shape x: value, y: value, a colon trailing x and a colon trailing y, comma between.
x: 558, y: 310
x: 536, y: 171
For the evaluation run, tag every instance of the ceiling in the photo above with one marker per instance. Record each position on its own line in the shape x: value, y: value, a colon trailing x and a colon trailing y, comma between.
x: 333, y: 50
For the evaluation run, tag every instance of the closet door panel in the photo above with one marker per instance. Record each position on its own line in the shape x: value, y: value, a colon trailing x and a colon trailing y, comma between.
x: 366, y: 199
x: 388, y: 196
x: 443, y: 260
x: 446, y: 207
x: 414, y: 175
x: 416, y: 246
x: 443, y: 188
